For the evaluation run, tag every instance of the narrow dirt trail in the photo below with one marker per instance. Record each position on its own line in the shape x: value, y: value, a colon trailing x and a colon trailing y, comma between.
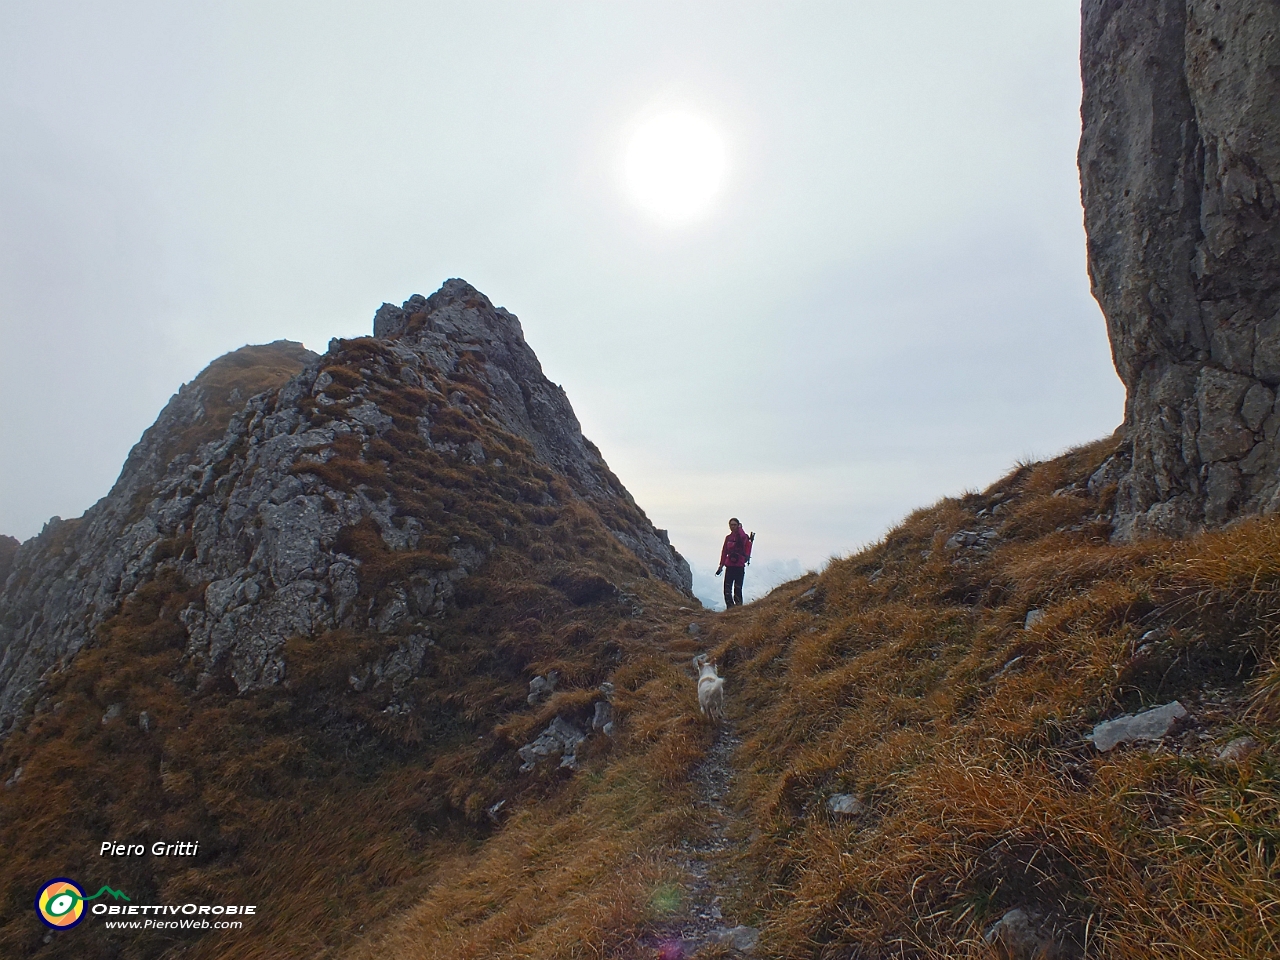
x: 707, y: 860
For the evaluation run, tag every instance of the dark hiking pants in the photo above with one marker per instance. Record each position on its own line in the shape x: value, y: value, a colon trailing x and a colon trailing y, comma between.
x: 733, y: 585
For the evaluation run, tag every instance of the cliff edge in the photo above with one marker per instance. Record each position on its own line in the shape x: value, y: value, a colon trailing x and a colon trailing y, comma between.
x: 1179, y: 158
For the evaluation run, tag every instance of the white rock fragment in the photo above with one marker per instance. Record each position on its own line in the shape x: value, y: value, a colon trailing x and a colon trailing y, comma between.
x: 1009, y: 665
x: 603, y: 716
x: 560, y: 737
x: 1241, y: 748
x: 1021, y: 937
x: 541, y: 687
x: 845, y: 804
x: 741, y: 938
x: 1149, y: 725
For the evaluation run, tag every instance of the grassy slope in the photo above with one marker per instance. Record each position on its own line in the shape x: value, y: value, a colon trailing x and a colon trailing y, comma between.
x: 904, y: 675
x: 908, y: 691
x: 232, y: 379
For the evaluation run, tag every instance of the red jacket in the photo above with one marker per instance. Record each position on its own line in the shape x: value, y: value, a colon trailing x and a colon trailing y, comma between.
x: 736, y: 550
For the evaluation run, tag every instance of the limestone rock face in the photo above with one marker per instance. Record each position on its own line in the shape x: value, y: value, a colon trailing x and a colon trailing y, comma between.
x: 1179, y: 158
x: 287, y: 521
x: 61, y: 584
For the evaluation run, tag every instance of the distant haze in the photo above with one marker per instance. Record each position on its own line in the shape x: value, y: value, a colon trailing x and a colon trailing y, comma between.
x: 763, y: 575
x: 882, y: 300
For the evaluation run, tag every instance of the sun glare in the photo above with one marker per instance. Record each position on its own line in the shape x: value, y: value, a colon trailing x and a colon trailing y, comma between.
x: 674, y: 166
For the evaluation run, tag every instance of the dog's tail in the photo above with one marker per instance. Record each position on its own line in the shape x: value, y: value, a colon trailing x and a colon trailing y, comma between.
x: 715, y: 707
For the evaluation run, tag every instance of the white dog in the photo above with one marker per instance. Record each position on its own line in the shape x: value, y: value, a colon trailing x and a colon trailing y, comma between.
x: 710, y: 689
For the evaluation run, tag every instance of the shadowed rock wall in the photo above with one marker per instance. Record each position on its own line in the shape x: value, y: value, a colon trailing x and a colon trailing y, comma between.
x: 1179, y: 157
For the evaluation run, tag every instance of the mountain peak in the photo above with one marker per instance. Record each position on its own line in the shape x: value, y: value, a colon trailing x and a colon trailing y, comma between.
x: 279, y: 480
x: 457, y: 309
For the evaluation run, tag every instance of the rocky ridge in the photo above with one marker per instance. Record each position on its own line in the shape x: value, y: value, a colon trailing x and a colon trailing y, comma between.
x: 292, y: 516
x: 58, y: 587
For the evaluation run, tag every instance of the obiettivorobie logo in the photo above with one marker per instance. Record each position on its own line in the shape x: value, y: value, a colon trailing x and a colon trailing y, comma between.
x: 60, y: 902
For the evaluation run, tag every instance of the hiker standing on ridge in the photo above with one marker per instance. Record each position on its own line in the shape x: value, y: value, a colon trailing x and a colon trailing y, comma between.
x: 734, y: 557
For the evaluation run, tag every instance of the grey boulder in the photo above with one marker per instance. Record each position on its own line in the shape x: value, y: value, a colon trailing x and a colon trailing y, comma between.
x: 1149, y: 725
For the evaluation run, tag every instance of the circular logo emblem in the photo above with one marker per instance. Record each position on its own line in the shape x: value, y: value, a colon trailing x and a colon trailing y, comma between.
x: 60, y: 903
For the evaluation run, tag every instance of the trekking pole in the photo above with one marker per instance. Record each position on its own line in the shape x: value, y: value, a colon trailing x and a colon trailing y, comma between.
x: 752, y: 538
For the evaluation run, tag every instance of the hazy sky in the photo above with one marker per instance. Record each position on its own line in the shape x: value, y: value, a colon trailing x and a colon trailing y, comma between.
x: 884, y: 302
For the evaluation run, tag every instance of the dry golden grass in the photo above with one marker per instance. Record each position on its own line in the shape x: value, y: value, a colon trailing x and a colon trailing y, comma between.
x: 902, y: 675
x: 580, y: 875
x: 920, y: 692
x: 228, y: 382
x: 308, y: 798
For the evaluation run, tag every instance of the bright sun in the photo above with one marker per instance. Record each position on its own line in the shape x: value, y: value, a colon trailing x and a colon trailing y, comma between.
x: 674, y: 165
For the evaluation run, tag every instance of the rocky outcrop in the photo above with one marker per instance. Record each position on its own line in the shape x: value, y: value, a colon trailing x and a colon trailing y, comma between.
x: 311, y: 511
x: 1179, y: 161
x: 8, y: 550
x: 457, y: 325
x: 62, y: 583
x: 561, y: 737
